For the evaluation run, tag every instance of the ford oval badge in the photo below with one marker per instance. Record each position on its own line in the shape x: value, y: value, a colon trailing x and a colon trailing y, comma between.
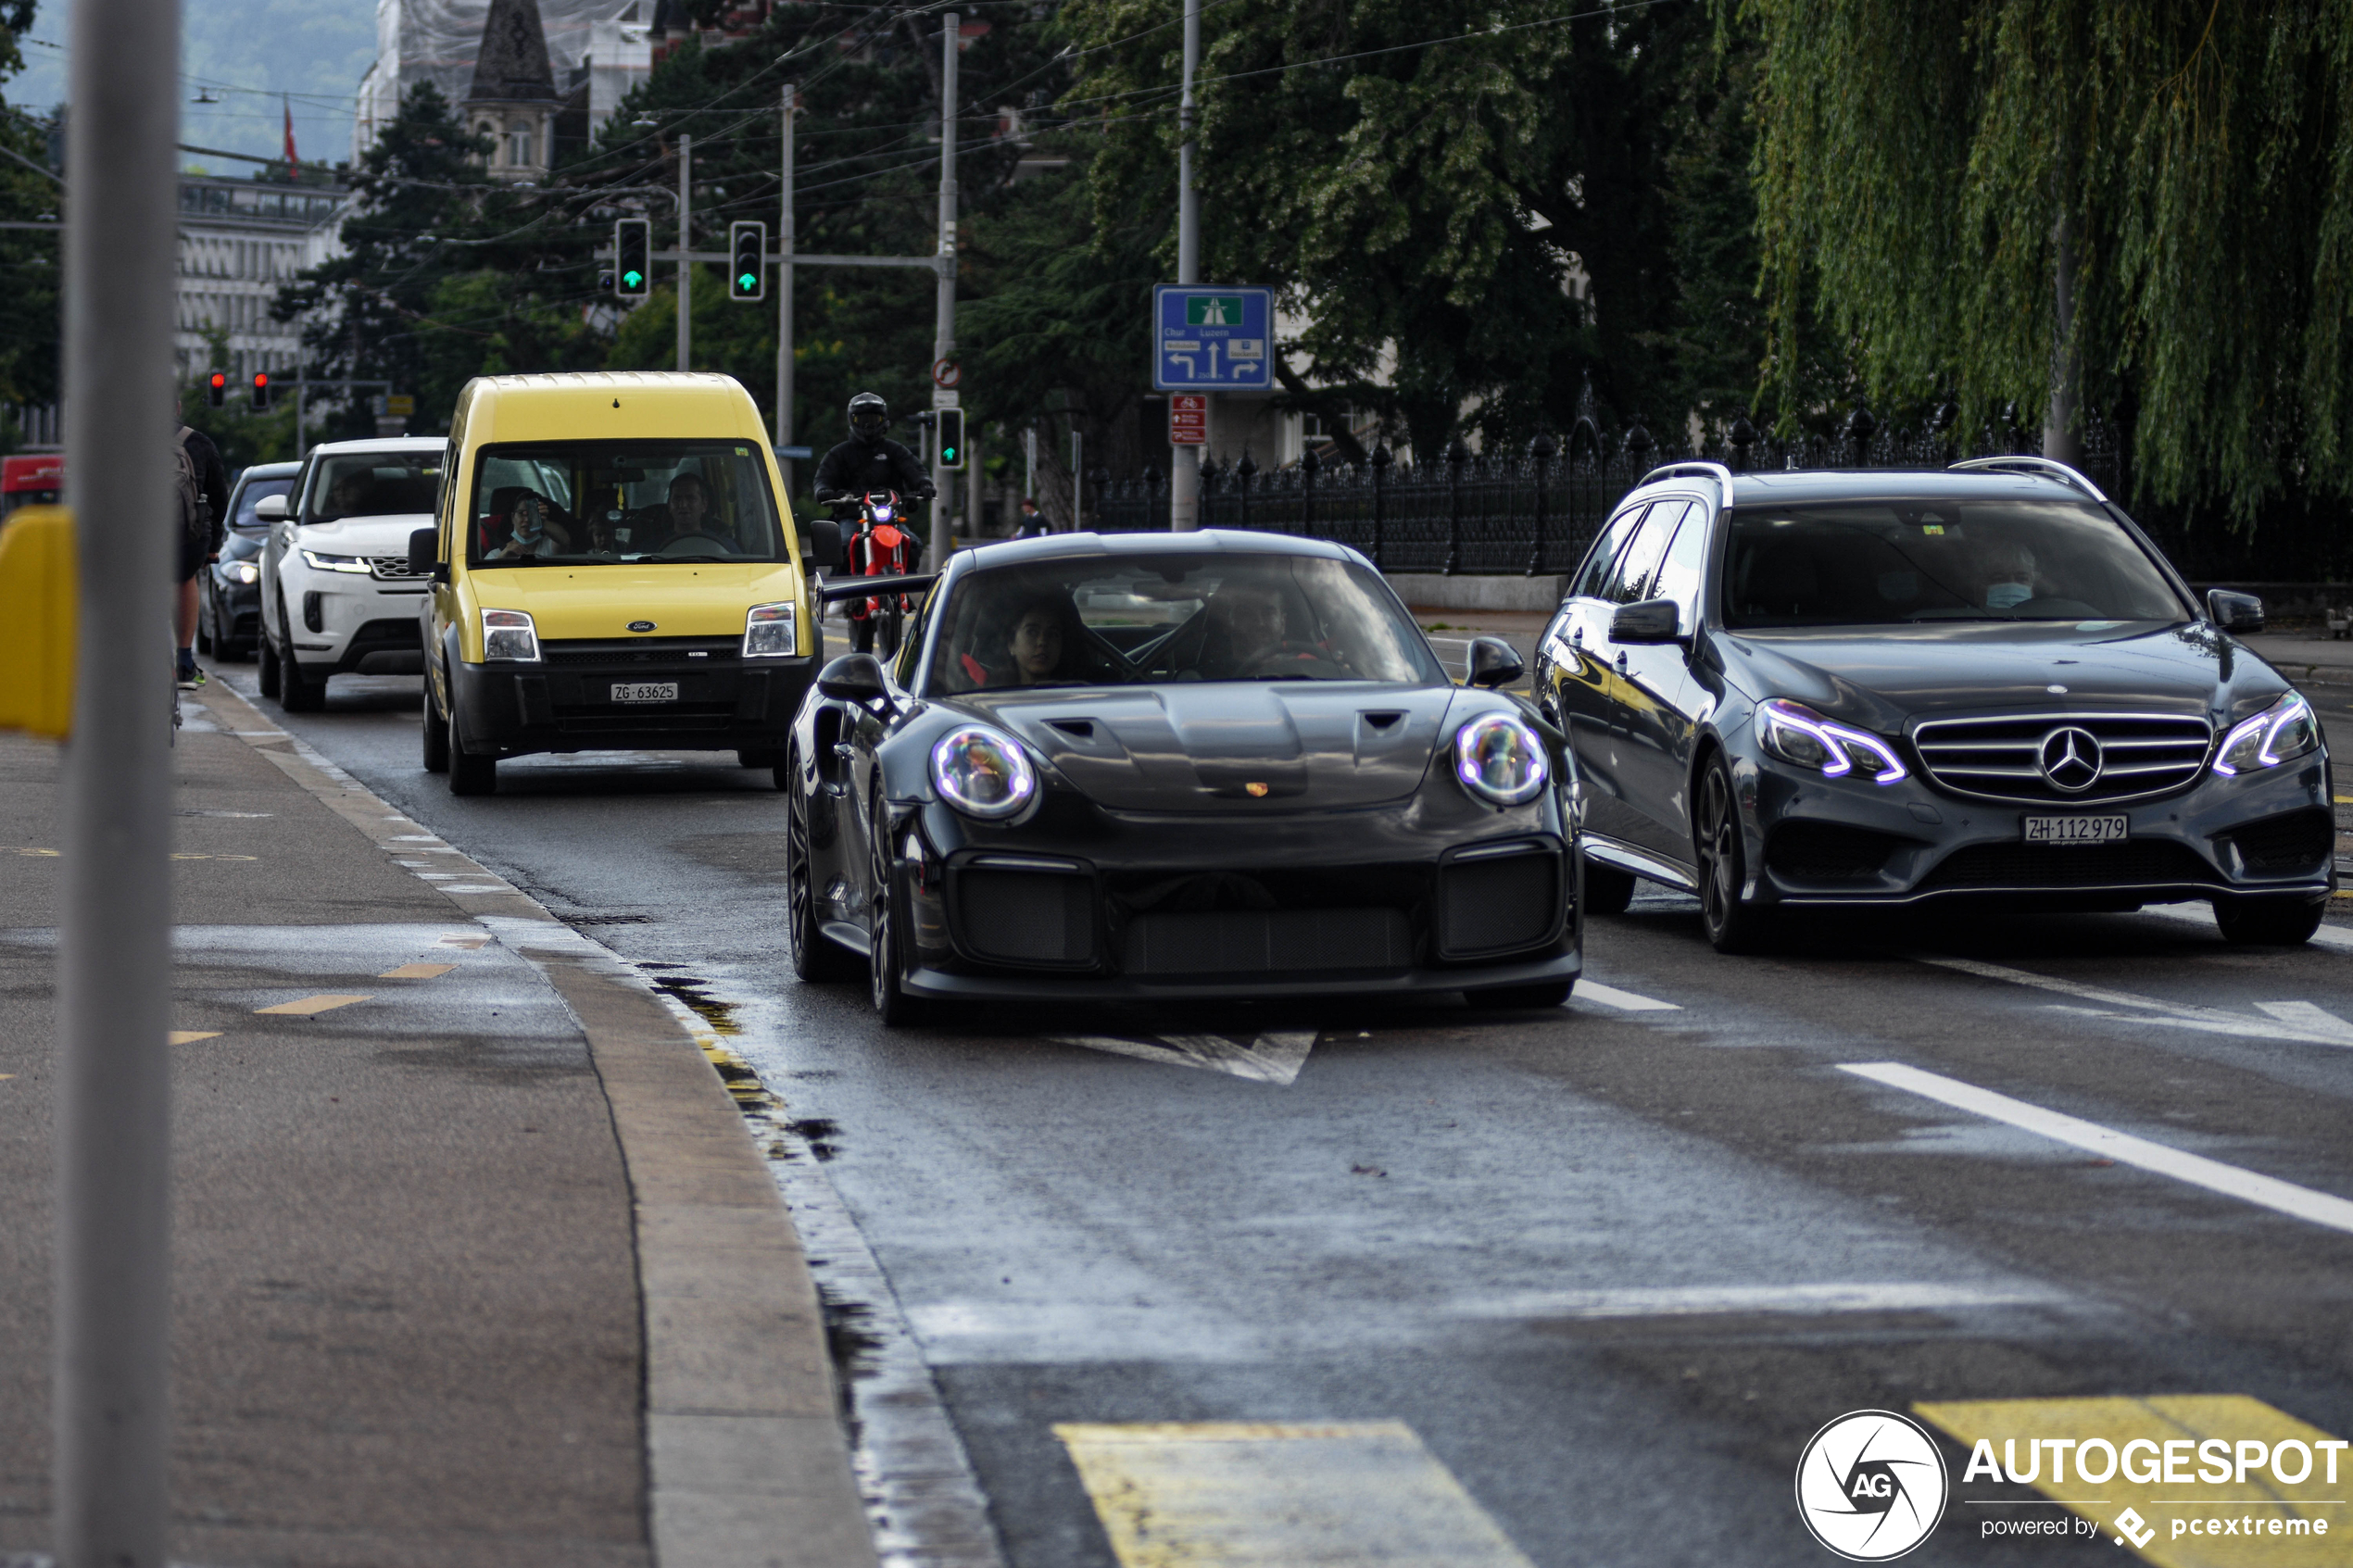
x: 641, y: 626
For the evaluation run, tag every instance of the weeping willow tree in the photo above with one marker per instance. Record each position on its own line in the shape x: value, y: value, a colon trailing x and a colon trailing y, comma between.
x: 2146, y: 208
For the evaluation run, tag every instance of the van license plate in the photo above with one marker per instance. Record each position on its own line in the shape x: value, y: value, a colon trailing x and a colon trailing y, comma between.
x: 663, y: 691
x: 2074, y: 830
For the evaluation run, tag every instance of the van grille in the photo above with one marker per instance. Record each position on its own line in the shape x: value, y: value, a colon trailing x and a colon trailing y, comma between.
x: 2000, y: 758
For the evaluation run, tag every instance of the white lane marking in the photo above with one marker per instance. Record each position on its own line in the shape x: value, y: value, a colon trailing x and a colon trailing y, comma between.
x: 2246, y: 1028
x: 2334, y: 936
x: 1625, y: 1001
x: 2311, y: 1017
x: 2232, y: 1181
x: 2305, y: 1020
x: 1269, y: 1059
x: 1670, y: 1301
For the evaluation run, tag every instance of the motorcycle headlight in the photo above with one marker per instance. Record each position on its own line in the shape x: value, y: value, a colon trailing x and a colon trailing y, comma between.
x: 2282, y: 732
x: 322, y: 562
x: 983, y: 773
x: 243, y: 571
x: 769, y: 631
x: 1501, y: 759
x: 508, y: 636
x: 1794, y: 732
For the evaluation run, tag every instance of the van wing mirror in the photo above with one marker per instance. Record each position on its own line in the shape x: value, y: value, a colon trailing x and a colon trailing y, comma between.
x: 821, y: 547
x: 854, y: 677
x: 424, y: 553
x: 1652, y: 620
x: 2235, y: 612
x: 1494, y: 662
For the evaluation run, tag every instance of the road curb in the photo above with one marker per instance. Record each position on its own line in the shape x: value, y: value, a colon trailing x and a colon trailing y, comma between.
x: 747, y: 1464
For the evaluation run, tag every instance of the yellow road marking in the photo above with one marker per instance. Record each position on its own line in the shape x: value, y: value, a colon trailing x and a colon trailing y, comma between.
x: 191, y: 856
x: 1263, y: 1495
x: 2185, y: 1421
x: 2345, y: 801
x: 190, y: 1037
x: 43, y: 853
x: 417, y: 972
x: 307, y: 1005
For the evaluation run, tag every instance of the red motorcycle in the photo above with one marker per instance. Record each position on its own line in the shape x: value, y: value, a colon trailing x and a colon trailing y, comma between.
x: 883, y: 547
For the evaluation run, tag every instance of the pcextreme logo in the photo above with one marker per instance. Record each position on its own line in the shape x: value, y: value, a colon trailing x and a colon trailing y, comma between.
x: 1871, y: 1486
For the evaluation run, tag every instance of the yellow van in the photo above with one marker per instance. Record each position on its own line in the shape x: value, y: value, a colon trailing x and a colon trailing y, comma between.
x: 614, y: 568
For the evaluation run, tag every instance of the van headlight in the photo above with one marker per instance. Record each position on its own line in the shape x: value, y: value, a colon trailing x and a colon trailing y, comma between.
x: 983, y: 773
x: 1794, y: 732
x: 508, y: 637
x: 2282, y: 732
x: 1501, y: 759
x: 320, y: 561
x: 771, y: 632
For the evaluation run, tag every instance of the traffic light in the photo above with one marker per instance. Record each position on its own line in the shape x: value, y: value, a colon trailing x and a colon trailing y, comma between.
x: 951, y: 438
x: 748, y: 279
x: 261, y: 391
x: 217, y: 389
x: 632, y: 245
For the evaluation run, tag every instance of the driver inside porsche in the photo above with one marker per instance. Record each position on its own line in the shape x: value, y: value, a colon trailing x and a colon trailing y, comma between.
x: 1243, y: 631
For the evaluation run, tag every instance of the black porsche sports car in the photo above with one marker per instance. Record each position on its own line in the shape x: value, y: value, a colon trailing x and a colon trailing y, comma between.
x: 1174, y: 767
x: 1871, y: 689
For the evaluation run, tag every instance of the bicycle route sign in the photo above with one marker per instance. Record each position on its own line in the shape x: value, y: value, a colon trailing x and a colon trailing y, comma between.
x: 1212, y: 339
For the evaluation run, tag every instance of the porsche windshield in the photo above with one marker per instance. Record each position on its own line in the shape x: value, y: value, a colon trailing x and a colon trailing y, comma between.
x: 1942, y: 560
x: 588, y: 503
x: 1122, y: 620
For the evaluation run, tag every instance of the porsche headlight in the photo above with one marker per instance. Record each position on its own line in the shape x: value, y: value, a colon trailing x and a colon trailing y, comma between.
x: 982, y: 773
x: 1501, y: 759
x: 769, y: 631
x: 2282, y: 732
x: 1794, y: 732
x: 320, y: 561
x: 508, y: 637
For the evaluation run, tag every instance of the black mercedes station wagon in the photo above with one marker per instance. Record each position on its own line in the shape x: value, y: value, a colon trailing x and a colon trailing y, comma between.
x: 1835, y: 689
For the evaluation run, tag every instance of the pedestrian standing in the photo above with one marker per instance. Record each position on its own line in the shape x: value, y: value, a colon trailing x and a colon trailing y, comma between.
x: 1033, y: 523
x: 201, y: 487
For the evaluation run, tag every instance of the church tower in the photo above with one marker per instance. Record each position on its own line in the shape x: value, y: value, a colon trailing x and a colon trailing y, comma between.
x: 513, y: 100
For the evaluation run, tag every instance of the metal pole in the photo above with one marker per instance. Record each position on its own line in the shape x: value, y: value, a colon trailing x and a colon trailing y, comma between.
x: 1077, y: 479
x: 302, y: 370
x: 784, y: 303
x: 110, y: 1414
x: 943, y: 517
x: 1184, y: 462
x: 685, y: 267
x: 1029, y: 456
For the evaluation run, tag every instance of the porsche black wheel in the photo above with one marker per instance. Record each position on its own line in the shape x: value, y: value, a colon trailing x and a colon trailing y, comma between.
x: 815, y: 956
x: 2268, y: 923
x: 1731, y: 926
x: 1607, y: 889
x: 892, y: 1003
x: 436, y: 734
x: 1516, y: 998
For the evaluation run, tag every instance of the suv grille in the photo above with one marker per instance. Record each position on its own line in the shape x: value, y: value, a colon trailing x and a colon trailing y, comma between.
x: 395, y: 568
x: 2001, y: 759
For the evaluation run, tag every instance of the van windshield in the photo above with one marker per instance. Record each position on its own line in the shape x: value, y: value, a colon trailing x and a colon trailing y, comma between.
x: 588, y: 503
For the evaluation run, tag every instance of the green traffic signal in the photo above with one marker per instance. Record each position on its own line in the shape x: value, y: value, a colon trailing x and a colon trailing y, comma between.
x: 633, y: 279
x: 748, y: 244
x: 633, y: 258
x: 748, y: 281
x: 951, y: 437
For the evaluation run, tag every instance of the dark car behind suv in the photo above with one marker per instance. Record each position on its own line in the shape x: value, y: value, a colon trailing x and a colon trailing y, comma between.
x: 1877, y: 688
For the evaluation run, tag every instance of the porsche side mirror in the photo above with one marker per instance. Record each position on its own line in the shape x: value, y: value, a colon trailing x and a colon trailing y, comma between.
x: 1494, y: 662
x: 2235, y: 612
x: 424, y: 551
x: 854, y: 677
x: 1652, y: 621
x: 821, y: 547
x: 270, y: 508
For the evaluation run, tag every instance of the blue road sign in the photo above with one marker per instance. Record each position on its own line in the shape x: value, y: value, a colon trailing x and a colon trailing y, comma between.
x: 1212, y: 339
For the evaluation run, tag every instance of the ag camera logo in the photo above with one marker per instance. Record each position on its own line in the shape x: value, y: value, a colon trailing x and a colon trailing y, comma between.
x: 1871, y: 1486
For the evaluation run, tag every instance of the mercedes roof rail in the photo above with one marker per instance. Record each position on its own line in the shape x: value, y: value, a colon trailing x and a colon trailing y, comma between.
x: 1716, y: 471
x: 2049, y: 467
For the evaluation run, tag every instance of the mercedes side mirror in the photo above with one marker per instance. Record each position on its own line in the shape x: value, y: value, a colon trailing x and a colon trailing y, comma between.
x: 424, y: 551
x: 1652, y: 620
x: 854, y: 677
x: 1494, y: 662
x: 2235, y: 612
x: 820, y: 545
x: 270, y: 508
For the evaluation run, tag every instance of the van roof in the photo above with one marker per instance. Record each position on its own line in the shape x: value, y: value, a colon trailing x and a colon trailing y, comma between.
x: 609, y: 404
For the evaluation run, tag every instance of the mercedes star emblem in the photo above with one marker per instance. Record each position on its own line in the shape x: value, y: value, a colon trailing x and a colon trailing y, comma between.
x: 2071, y: 760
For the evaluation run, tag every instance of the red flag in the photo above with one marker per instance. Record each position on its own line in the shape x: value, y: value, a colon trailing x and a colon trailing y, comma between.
x: 290, y: 158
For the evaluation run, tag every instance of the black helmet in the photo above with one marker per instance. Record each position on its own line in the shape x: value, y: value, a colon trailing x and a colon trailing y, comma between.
x: 869, y: 416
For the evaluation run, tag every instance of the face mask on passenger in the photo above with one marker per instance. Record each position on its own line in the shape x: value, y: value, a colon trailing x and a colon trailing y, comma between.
x: 2008, y: 595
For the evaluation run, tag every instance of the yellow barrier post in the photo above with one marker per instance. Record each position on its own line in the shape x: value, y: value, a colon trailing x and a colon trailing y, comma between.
x: 39, y: 593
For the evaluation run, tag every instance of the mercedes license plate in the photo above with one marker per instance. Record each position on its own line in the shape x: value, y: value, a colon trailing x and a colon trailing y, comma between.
x: 664, y: 691
x: 2074, y: 830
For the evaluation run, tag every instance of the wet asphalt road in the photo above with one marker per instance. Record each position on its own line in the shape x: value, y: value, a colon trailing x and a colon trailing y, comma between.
x: 1611, y: 1264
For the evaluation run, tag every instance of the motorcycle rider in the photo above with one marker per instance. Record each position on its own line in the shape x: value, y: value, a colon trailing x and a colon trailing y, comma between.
x: 870, y: 460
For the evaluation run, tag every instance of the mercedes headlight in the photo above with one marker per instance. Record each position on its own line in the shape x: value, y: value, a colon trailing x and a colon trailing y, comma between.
x: 1794, y: 732
x: 242, y: 572
x: 1501, y: 759
x: 2282, y: 732
x: 769, y: 631
x: 983, y: 773
x: 508, y: 636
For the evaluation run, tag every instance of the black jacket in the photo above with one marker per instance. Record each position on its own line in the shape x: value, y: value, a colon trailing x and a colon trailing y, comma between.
x: 212, y: 477
x: 853, y: 468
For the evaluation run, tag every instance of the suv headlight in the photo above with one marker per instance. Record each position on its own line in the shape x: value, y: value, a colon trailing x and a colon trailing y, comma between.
x: 1794, y: 732
x: 319, y: 562
x: 2282, y: 732
x: 771, y: 632
x: 983, y: 773
x: 508, y: 636
x: 1501, y: 759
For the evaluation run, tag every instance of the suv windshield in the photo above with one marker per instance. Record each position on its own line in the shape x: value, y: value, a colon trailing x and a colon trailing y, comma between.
x: 1900, y: 562
x: 585, y: 502
x: 371, y: 485
x: 1121, y: 620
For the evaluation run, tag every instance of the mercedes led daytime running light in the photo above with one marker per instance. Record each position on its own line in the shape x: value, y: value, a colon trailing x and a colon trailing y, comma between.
x: 2282, y: 732
x: 1501, y: 759
x: 508, y: 636
x: 1794, y: 732
x: 769, y: 631
x: 983, y: 773
x: 335, y: 563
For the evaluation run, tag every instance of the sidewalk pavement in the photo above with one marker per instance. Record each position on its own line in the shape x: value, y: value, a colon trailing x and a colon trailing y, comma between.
x: 474, y: 1259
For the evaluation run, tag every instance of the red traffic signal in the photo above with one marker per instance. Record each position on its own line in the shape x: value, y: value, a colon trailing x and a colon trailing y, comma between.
x: 262, y: 389
x: 217, y: 389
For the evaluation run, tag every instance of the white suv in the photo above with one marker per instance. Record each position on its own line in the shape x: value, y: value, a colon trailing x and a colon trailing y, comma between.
x: 336, y: 592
